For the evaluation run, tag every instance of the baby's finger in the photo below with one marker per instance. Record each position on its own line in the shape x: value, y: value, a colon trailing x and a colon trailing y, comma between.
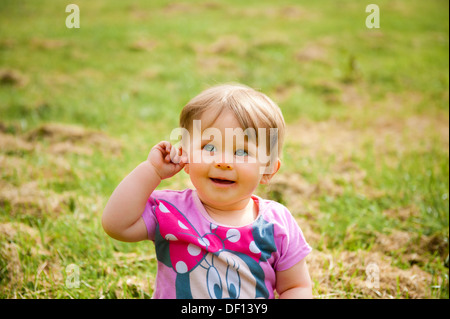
x: 163, y: 147
x: 168, y: 147
x: 184, y: 159
x: 174, y: 155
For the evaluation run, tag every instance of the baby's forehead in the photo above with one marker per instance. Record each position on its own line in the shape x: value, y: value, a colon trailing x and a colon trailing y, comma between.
x: 216, y: 116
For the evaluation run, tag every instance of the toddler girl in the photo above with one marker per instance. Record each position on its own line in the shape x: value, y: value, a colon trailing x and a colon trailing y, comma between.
x: 218, y: 240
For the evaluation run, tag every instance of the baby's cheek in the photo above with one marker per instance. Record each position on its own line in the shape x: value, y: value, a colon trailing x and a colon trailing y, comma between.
x: 248, y: 171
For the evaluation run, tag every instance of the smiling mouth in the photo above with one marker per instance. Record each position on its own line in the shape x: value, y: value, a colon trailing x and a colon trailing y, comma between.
x: 222, y: 181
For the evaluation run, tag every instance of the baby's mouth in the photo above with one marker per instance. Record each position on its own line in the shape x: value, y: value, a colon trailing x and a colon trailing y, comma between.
x: 222, y: 181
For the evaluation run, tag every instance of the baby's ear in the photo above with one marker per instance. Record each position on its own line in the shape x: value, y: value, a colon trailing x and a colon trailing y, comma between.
x: 185, y: 157
x: 268, y: 175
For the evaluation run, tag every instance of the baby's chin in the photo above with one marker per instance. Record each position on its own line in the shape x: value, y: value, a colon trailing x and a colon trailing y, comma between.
x: 224, y: 202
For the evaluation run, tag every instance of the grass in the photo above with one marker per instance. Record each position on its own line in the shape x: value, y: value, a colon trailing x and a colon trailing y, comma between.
x: 365, y: 166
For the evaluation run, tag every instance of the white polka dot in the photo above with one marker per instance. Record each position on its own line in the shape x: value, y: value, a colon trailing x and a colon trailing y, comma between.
x: 213, y: 226
x: 193, y: 250
x: 203, y: 241
x: 171, y: 237
x: 181, y: 267
x: 233, y: 235
x: 182, y: 225
x: 253, y: 248
x: 163, y: 208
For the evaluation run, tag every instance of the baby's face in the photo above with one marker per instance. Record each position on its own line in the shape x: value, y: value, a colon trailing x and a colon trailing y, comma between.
x: 223, y: 162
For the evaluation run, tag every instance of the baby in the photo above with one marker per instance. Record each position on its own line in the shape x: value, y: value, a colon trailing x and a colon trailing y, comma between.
x: 218, y: 240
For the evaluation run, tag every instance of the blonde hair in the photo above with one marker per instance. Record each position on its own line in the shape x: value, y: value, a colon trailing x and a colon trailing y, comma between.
x: 252, y: 109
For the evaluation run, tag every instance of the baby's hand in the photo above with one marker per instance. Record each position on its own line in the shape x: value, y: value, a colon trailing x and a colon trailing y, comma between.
x: 166, y: 159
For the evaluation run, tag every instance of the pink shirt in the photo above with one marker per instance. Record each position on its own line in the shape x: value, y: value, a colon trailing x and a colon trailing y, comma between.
x: 200, y: 258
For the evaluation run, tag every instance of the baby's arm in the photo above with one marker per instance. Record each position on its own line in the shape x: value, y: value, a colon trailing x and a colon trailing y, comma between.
x: 122, y: 215
x: 295, y: 282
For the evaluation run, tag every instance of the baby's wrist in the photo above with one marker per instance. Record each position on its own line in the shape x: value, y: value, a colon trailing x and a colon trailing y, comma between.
x: 152, y: 169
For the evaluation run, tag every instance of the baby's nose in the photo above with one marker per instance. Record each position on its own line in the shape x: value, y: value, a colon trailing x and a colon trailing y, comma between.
x: 223, y: 166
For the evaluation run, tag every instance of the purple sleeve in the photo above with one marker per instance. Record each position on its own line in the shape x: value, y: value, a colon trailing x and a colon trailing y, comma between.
x: 291, y: 244
x: 149, y: 217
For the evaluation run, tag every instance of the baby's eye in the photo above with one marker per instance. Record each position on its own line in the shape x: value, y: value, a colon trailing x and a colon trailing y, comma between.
x: 209, y: 148
x: 241, y: 152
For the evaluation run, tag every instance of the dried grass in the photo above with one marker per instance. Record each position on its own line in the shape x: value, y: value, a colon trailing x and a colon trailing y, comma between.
x: 13, y: 77
x: 71, y: 138
x: 30, y: 199
x: 338, y: 273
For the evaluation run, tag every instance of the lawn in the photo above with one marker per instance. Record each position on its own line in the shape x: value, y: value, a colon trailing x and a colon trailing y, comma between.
x: 366, y: 160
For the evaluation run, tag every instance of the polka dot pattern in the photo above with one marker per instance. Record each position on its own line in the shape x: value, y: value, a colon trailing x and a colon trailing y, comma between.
x: 188, y: 248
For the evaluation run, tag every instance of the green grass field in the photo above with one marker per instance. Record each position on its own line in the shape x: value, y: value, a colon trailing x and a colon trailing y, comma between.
x: 365, y: 165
